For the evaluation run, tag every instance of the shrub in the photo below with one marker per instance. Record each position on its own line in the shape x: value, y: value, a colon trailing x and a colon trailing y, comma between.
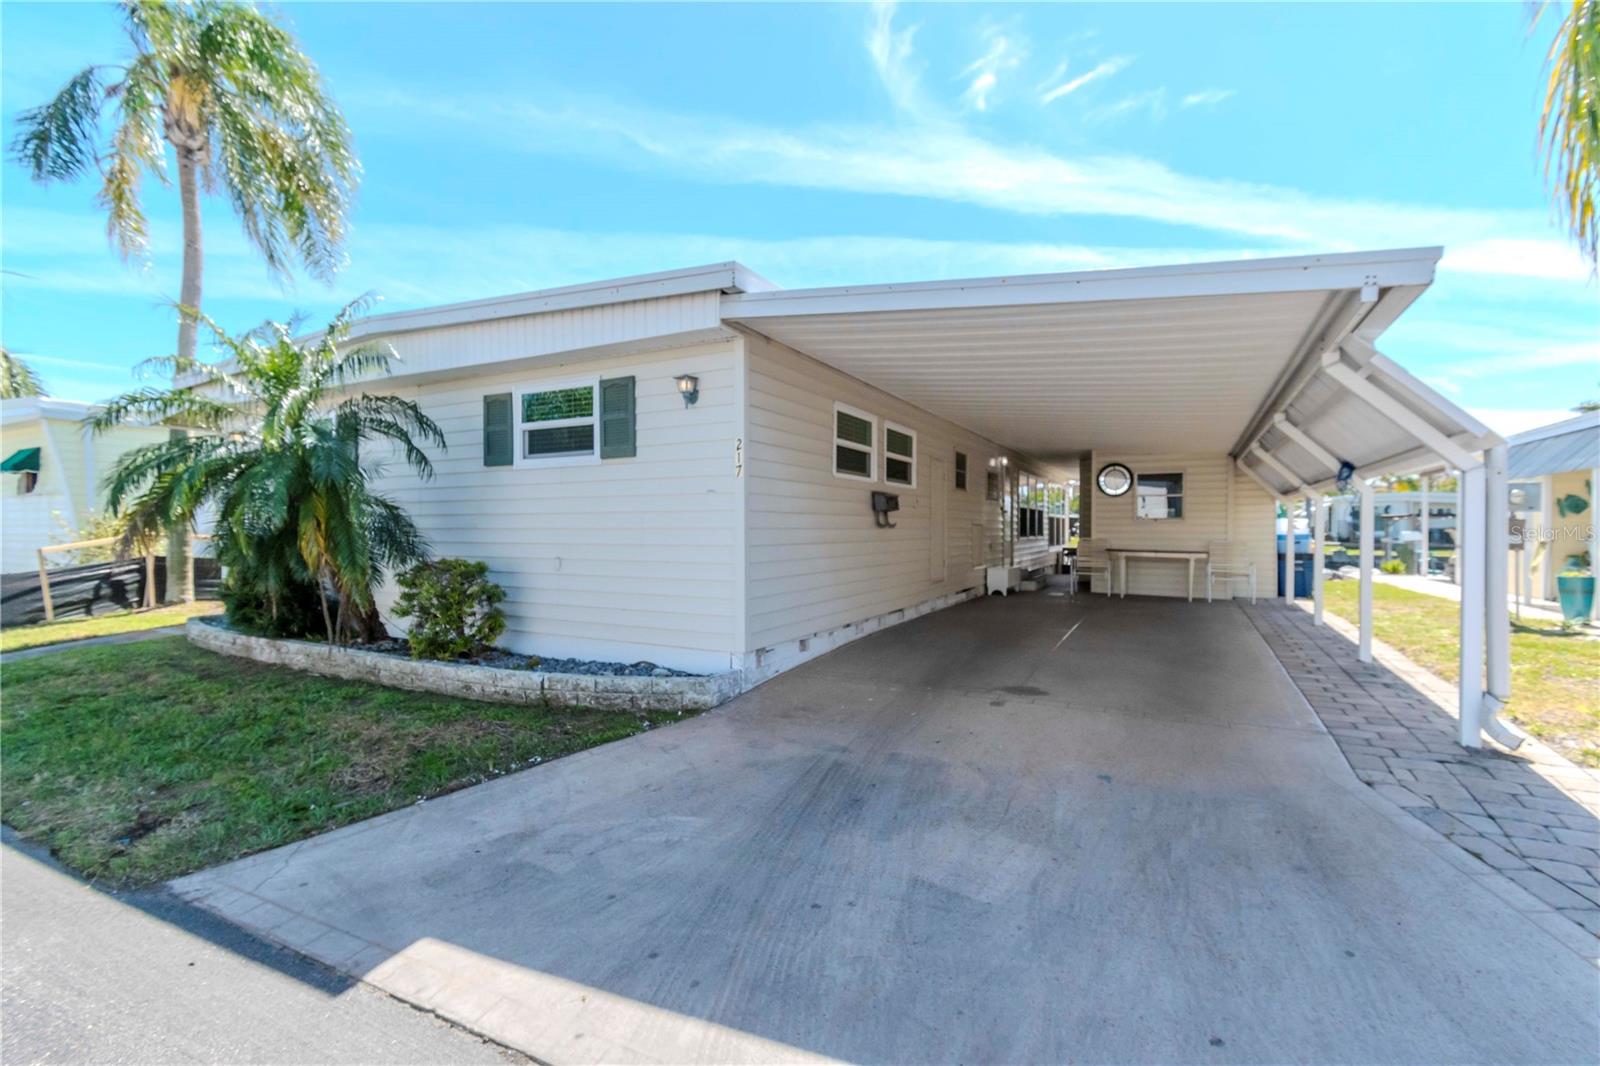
x: 248, y: 609
x: 453, y: 606
x: 1393, y: 566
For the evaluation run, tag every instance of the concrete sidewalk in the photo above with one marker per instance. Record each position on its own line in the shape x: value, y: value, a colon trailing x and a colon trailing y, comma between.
x: 1542, y: 610
x: 89, y: 642
x: 1028, y: 829
x: 146, y: 978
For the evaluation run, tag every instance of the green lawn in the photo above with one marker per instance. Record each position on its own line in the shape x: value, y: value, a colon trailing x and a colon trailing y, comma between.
x: 1555, y: 675
x: 138, y: 762
x: 101, y: 625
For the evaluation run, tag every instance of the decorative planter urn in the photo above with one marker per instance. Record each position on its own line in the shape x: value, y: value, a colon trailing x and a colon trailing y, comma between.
x: 1577, y: 595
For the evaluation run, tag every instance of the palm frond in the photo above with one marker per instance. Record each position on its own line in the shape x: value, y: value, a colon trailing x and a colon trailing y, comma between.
x: 17, y: 378
x: 136, y: 146
x: 183, y: 406
x: 58, y: 140
x: 1569, y: 126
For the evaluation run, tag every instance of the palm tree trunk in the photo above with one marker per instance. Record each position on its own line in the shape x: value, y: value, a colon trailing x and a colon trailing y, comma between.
x: 189, y: 294
x: 178, y: 588
x: 322, y: 598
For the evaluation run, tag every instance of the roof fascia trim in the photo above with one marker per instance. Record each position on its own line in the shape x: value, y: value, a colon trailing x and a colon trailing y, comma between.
x: 726, y: 277
x: 1412, y: 267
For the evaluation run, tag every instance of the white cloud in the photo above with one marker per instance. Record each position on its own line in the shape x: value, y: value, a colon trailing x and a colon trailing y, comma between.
x: 1004, y: 52
x: 891, y: 50
x: 1153, y: 101
x: 945, y: 161
x: 1508, y: 420
x: 1556, y: 259
x: 1104, y: 70
x: 1206, y: 98
x: 977, y: 94
x: 1532, y: 354
x: 929, y: 154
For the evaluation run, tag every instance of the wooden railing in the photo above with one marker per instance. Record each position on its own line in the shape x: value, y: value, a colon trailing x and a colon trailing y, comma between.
x: 149, y: 599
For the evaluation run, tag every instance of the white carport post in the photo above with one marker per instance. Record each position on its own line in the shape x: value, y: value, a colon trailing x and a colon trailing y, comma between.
x: 1497, y: 616
x: 1364, y: 647
x: 1318, y: 537
x: 1288, y: 549
x: 1594, y: 536
x: 1471, y: 529
x: 1423, y: 557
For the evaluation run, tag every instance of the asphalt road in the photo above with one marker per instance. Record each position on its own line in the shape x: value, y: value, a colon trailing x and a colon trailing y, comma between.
x: 145, y: 978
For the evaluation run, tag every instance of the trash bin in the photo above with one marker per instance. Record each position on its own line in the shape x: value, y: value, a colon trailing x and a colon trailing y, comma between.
x: 1302, y: 565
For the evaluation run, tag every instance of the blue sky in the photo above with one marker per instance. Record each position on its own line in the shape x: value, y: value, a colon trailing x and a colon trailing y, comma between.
x: 509, y: 147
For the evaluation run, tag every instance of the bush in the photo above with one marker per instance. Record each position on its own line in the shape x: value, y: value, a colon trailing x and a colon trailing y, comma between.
x: 453, y: 606
x: 248, y: 609
x: 1393, y: 566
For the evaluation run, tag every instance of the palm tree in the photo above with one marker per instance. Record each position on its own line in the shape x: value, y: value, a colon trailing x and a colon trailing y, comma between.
x: 1570, y: 123
x: 17, y: 378
x: 275, y: 456
x: 243, y: 111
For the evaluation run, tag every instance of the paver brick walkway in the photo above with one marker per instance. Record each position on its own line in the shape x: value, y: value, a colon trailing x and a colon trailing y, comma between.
x: 1530, y: 814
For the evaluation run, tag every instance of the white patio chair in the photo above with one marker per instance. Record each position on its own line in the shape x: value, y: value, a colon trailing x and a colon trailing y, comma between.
x: 1092, y: 560
x: 1223, y: 563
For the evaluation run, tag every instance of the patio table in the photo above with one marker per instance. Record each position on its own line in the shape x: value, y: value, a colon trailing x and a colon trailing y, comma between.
x: 1122, y: 555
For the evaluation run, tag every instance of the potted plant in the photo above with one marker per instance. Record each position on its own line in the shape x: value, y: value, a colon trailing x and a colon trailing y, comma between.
x: 1576, y: 588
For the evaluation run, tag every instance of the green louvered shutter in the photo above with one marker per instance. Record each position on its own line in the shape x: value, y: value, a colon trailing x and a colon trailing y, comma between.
x: 499, y: 436
x: 617, y: 419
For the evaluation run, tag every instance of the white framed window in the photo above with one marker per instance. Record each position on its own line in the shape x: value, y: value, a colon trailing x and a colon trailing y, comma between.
x: 1158, y: 496
x: 961, y: 471
x: 556, y: 423
x: 899, y: 455
x: 855, y: 452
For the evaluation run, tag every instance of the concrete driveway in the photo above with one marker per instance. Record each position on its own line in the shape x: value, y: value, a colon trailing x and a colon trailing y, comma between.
x: 973, y: 837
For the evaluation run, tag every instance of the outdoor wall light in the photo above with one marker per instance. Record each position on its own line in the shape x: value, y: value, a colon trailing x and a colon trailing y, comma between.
x: 688, y: 388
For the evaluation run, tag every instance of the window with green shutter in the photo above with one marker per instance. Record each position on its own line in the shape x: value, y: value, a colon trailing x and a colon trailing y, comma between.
x: 499, y: 436
x: 618, y: 420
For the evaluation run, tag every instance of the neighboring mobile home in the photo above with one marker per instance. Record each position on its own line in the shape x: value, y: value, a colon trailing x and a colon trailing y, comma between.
x: 54, y: 471
x: 685, y: 467
x: 1557, y: 467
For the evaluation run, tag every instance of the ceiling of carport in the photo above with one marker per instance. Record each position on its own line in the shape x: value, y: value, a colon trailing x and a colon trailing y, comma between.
x: 1056, y: 380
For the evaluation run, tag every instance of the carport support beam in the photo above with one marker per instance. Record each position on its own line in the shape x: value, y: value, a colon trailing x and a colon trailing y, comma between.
x: 1364, y: 648
x: 1318, y: 540
x: 1471, y: 530
x: 1288, y: 550
x: 1594, y: 536
x: 1423, y: 555
x: 1497, y: 616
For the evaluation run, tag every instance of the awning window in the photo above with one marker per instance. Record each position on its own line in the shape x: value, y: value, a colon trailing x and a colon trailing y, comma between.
x: 21, y: 460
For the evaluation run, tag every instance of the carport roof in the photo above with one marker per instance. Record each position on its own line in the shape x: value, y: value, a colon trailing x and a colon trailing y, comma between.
x: 1194, y: 358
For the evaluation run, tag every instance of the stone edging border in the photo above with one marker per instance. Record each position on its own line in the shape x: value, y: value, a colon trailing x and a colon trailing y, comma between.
x: 487, y: 683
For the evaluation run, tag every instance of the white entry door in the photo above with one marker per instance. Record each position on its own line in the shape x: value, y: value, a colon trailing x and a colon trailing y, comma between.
x: 937, y: 503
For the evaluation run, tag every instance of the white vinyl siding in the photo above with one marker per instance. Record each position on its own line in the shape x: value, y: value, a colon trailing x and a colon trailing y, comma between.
x: 1219, y: 504
x: 624, y: 559
x: 814, y: 557
x: 669, y: 322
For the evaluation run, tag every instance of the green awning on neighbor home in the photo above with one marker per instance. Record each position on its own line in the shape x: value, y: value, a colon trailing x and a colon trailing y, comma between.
x: 23, y: 459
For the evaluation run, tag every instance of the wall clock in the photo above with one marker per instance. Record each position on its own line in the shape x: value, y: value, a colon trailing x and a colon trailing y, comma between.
x: 1114, y: 479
